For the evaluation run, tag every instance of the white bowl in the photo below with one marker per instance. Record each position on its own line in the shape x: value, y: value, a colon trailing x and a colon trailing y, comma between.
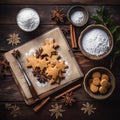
x: 28, y: 19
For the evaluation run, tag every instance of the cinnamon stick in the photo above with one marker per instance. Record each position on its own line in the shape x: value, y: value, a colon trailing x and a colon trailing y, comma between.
x: 69, y: 90
x: 39, y: 106
x: 73, y: 36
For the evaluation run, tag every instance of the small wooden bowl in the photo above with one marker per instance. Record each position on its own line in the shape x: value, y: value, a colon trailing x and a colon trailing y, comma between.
x: 78, y: 8
x: 89, y: 28
x: 88, y: 76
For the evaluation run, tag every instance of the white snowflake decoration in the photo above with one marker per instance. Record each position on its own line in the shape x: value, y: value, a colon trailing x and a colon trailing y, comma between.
x: 88, y: 108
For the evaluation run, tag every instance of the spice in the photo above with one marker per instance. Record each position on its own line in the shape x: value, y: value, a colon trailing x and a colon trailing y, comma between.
x: 56, y: 110
x: 42, y: 78
x: 14, y: 39
x: 58, y: 16
x: 88, y: 108
x: 68, y: 99
x: 4, y: 65
x: 73, y: 36
x: 96, y: 42
x: 77, y: 17
x: 28, y: 19
x: 13, y: 109
x: 67, y: 91
x: 39, y: 106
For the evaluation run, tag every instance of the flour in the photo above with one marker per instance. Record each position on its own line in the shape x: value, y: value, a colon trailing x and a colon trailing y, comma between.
x: 28, y: 19
x: 96, y: 42
x: 77, y: 17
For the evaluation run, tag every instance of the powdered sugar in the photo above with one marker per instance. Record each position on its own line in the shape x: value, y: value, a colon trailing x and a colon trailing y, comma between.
x: 77, y: 17
x: 96, y: 42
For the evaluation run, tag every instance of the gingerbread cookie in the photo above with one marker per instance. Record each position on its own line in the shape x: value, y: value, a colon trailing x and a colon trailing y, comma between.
x: 104, y: 76
x: 53, y: 72
x: 46, y: 59
x: 32, y: 61
x: 99, y: 83
x: 41, y: 63
x: 96, y: 81
x: 96, y: 75
x: 53, y: 58
x: 102, y: 89
x: 52, y: 42
x: 49, y: 48
x: 94, y: 88
x: 104, y: 83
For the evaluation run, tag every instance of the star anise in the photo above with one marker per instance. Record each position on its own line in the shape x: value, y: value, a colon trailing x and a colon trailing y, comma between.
x: 56, y: 110
x: 68, y: 99
x: 36, y: 72
x: 38, y: 53
x: 4, y: 64
x: 14, y: 39
x: 13, y: 109
x: 58, y: 16
x: 40, y: 76
x: 66, y: 30
x: 16, y: 53
x: 88, y: 108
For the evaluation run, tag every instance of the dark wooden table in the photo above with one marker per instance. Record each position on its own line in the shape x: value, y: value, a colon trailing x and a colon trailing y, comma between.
x: 9, y: 94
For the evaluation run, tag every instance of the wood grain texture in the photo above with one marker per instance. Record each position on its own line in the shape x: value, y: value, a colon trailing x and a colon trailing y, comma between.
x: 9, y: 93
x: 8, y: 13
x: 61, y: 2
x: 75, y: 112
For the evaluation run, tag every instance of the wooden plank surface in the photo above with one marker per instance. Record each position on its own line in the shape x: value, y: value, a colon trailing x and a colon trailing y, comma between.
x: 9, y: 12
x: 113, y: 2
x: 9, y: 93
x: 75, y: 112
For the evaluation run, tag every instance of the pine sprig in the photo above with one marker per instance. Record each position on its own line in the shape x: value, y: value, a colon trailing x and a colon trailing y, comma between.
x: 103, y: 19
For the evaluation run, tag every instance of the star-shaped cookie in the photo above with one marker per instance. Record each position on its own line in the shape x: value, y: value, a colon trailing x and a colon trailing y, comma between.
x: 41, y: 63
x: 53, y: 72
x: 53, y: 58
x: 51, y: 41
x: 32, y: 61
x: 48, y: 50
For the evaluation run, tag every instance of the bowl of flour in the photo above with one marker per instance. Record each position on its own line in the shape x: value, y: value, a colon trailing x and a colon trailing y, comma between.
x: 78, y: 15
x: 28, y: 19
x: 95, y: 41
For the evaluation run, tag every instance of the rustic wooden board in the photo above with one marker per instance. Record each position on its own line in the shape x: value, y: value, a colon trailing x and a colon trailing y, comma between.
x: 67, y: 55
